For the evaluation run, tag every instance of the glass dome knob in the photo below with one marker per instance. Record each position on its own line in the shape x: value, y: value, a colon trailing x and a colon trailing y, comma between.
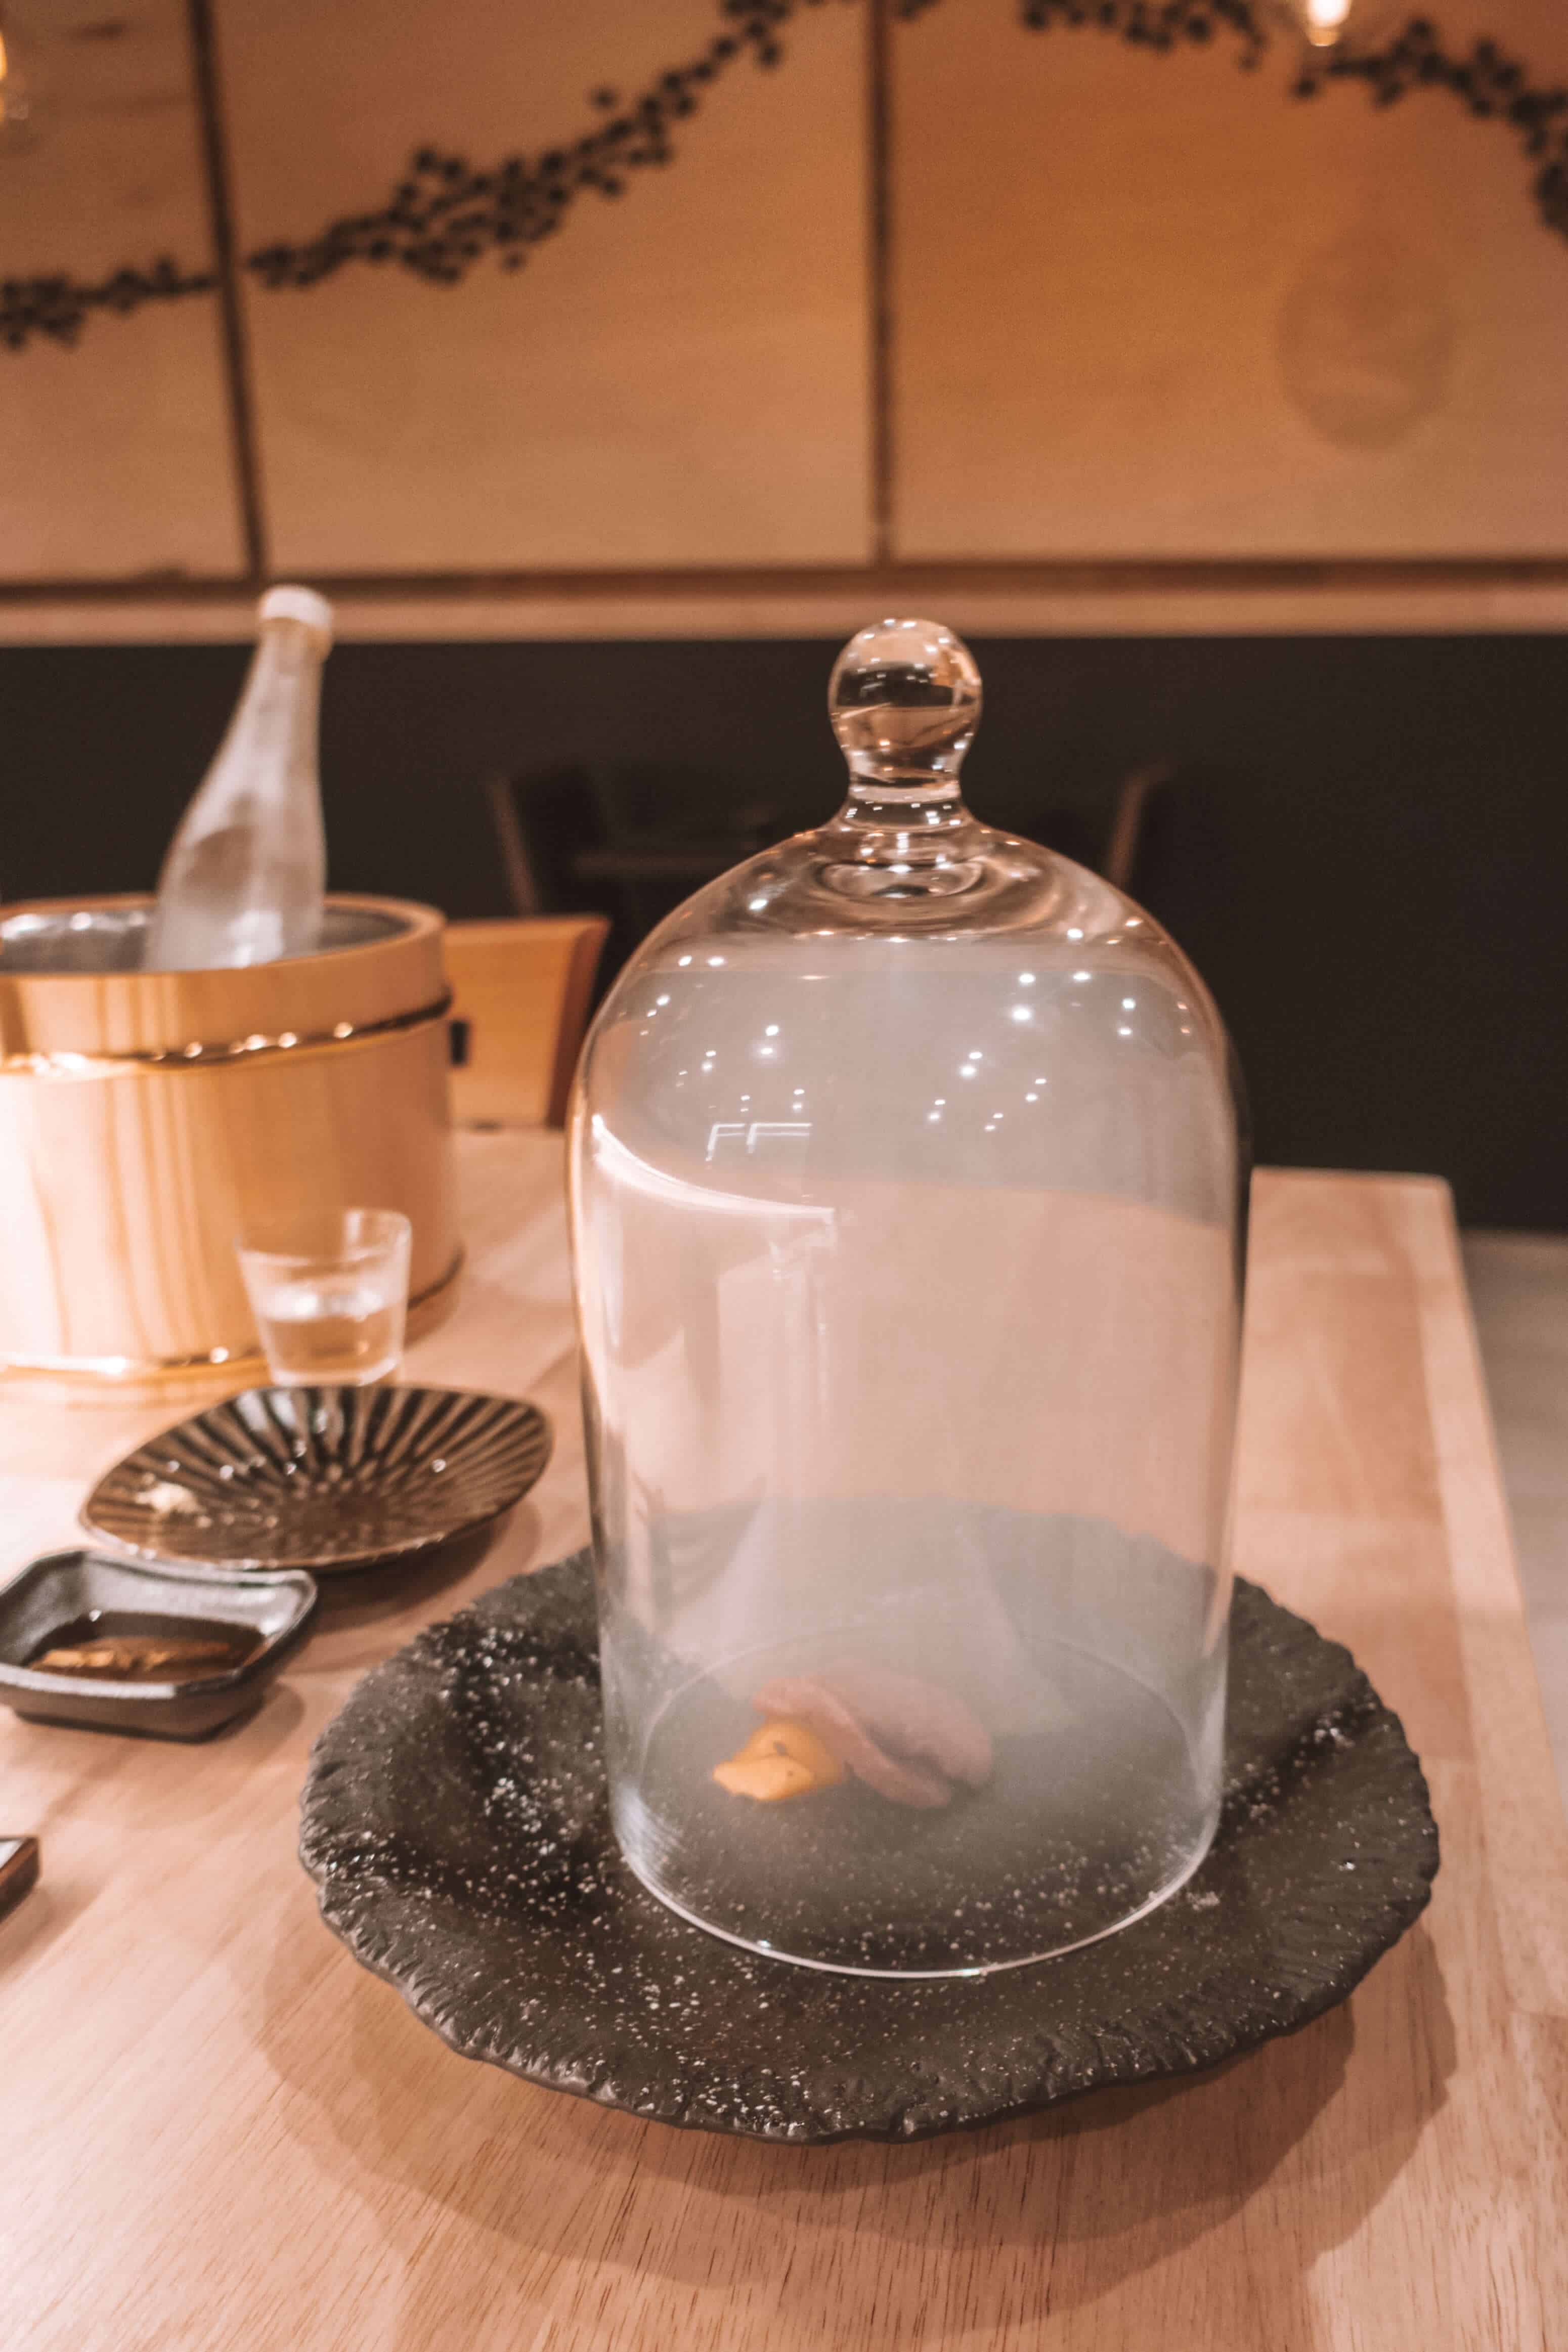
x: 904, y: 699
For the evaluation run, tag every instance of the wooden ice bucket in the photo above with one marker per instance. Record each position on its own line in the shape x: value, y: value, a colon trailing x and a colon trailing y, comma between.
x: 144, y: 1116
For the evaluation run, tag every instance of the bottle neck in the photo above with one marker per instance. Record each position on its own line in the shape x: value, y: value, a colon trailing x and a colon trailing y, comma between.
x: 274, y: 726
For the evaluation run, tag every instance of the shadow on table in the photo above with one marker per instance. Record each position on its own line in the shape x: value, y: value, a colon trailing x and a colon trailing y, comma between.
x: 41, y: 1915
x: 354, y: 1606
x: 974, y: 2234
x: 93, y: 1760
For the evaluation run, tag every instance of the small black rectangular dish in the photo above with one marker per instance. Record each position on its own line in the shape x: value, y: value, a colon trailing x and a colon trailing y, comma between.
x: 236, y: 1630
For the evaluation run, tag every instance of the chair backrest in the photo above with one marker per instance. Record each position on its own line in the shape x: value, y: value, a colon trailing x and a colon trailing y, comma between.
x: 520, y: 993
x: 628, y: 840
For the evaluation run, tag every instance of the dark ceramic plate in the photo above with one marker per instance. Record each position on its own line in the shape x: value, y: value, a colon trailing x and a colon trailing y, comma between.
x: 455, y: 1821
x: 59, y: 1595
x: 323, y: 1478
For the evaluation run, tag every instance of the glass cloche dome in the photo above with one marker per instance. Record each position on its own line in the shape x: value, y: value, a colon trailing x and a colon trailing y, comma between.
x: 906, y: 1186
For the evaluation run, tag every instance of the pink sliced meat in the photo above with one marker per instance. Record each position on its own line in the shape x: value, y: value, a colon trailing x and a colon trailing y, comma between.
x: 809, y: 1700
x: 917, y: 1720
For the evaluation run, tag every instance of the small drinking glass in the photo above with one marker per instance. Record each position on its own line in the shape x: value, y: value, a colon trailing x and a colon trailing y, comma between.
x: 329, y: 1290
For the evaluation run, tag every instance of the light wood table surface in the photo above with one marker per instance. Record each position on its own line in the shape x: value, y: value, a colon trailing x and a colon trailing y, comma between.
x: 219, y: 2132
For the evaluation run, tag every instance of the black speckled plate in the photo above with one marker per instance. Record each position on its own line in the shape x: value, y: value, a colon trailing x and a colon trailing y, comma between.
x: 456, y: 1823
x: 324, y: 1478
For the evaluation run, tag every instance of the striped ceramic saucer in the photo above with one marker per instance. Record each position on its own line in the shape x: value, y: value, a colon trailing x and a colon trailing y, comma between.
x: 323, y: 1478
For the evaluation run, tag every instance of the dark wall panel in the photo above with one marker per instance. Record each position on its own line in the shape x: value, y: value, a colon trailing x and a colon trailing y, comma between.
x: 1363, y: 848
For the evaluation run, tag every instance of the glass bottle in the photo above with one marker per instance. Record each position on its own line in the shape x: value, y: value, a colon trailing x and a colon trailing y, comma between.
x: 245, y: 874
x: 905, y: 1192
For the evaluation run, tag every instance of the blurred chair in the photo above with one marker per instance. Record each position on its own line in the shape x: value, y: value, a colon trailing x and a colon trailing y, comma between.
x: 633, y: 842
x: 1130, y: 840
x: 520, y: 993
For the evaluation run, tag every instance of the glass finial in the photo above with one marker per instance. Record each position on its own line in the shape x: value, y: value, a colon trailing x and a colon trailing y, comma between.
x: 904, y: 699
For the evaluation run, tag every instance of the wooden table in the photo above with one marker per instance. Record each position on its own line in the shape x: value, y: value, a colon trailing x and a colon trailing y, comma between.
x: 220, y: 2132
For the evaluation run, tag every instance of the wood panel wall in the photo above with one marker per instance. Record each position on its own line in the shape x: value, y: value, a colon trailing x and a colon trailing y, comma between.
x: 1163, y: 310
x: 1048, y: 327
x: 678, y: 377
x: 116, y: 461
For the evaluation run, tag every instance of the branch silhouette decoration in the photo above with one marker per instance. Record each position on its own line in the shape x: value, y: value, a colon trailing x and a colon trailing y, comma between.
x: 445, y: 216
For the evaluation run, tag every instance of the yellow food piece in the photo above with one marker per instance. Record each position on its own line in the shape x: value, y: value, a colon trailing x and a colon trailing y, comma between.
x: 784, y: 1758
x: 766, y: 1778
x: 787, y: 1736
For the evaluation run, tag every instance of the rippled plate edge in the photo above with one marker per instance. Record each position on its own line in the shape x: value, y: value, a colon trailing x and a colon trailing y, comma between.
x: 1202, y: 2041
x: 537, y: 1426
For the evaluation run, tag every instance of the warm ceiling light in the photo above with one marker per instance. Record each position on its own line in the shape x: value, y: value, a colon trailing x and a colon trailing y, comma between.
x: 1325, y: 24
x: 17, y: 126
x: 1324, y: 21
